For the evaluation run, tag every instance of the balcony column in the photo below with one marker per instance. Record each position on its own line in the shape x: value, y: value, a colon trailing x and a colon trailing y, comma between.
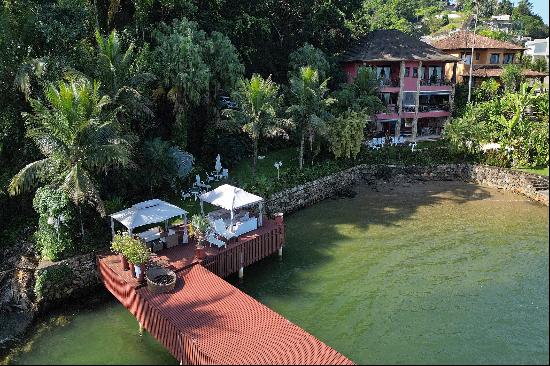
x: 416, y: 103
x: 453, y: 78
x: 400, y: 99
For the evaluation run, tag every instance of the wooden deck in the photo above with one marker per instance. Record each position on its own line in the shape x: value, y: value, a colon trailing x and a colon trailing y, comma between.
x: 206, y: 320
x: 245, y: 250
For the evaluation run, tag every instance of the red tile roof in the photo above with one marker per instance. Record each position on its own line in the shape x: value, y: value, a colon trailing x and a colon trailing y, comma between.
x: 463, y: 40
x: 393, y: 45
x: 496, y: 72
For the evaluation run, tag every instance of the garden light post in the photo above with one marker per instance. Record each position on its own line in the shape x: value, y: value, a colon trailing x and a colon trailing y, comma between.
x: 278, y: 166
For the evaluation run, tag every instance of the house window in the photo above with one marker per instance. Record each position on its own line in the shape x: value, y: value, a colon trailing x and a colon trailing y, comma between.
x: 415, y: 72
x: 495, y: 58
x: 478, y: 56
x: 383, y: 72
x: 467, y: 58
x: 407, y: 71
x: 508, y: 58
x: 435, y: 73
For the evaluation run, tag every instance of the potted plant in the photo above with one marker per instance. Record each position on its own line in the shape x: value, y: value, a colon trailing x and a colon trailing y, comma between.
x: 118, y: 244
x: 138, y: 255
x: 199, y: 226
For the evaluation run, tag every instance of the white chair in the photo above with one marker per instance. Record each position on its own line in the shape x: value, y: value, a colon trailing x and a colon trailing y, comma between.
x: 185, y: 195
x: 210, y: 177
x: 225, y: 173
x: 211, y: 238
x: 221, y: 230
x: 413, y: 146
x: 199, y: 184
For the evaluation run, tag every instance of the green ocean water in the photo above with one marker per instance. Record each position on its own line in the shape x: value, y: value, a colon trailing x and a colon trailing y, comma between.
x: 430, y: 273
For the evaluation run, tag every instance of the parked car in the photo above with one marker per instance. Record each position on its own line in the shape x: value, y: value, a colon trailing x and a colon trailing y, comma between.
x: 225, y: 103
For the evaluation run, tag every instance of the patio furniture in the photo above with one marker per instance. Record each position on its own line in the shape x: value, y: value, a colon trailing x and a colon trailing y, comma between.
x: 200, y: 184
x: 146, y: 213
x: 210, y: 177
x: 225, y: 173
x: 221, y: 230
x: 232, y: 198
x: 211, y: 238
x: 243, y: 227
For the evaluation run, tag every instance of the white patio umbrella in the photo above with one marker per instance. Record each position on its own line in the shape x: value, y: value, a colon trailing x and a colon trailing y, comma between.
x: 232, y: 198
x: 147, y: 212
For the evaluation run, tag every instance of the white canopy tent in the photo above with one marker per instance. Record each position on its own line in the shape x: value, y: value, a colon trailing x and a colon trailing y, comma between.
x: 147, y: 212
x: 232, y: 198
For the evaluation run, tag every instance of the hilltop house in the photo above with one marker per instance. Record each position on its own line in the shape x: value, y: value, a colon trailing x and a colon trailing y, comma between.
x: 413, y: 86
x: 490, y: 58
x: 537, y: 48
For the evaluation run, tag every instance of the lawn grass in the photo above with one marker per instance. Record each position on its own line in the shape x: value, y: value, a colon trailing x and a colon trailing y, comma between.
x: 540, y: 171
x: 243, y: 171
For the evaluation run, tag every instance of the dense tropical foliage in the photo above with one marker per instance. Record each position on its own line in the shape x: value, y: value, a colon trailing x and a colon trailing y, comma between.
x: 515, y: 120
x: 106, y: 103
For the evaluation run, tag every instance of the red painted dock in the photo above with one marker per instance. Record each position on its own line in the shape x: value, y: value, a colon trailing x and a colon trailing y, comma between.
x: 206, y: 320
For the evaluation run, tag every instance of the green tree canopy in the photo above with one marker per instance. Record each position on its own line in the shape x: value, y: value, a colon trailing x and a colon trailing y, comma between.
x: 309, y: 112
x: 257, y: 100
x: 75, y: 139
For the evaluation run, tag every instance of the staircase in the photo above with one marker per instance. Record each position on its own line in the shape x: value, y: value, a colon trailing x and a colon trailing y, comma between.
x: 538, y: 183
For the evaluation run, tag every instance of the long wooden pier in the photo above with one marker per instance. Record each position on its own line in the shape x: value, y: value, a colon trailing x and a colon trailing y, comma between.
x: 205, y: 319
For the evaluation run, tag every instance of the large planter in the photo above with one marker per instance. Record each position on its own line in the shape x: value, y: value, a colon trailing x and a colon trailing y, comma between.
x: 160, y: 280
x: 279, y: 218
x: 200, y: 253
x: 139, y: 270
x: 124, y: 263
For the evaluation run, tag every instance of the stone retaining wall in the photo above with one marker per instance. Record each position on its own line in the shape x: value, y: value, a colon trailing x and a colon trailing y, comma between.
x: 305, y: 195
x: 65, y: 279
x: 516, y: 181
x: 55, y: 282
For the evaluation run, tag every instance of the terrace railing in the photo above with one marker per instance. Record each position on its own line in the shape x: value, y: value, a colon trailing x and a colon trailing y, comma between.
x: 388, y: 82
x: 435, y: 82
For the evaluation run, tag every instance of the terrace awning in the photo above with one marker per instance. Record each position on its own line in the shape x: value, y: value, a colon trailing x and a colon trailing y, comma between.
x: 147, y: 212
x: 229, y: 197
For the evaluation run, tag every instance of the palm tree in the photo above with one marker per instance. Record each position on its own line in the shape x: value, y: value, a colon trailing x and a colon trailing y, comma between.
x: 309, y: 113
x: 76, y: 139
x: 257, y: 100
x: 118, y: 75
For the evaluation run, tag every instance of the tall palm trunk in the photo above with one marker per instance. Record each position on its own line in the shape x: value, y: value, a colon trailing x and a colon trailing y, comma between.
x: 311, y: 135
x: 255, y: 157
x: 302, y: 140
x: 81, y: 222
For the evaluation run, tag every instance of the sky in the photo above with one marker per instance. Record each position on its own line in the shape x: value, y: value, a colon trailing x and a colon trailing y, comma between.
x: 540, y: 7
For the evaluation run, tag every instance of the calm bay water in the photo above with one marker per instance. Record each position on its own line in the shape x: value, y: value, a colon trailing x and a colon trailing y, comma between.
x: 432, y: 273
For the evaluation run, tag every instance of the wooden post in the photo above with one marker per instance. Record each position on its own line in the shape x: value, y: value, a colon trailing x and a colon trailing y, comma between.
x: 400, y: 99
x: 416, y: 104
x: 241, y: 270
x: 140, y: 329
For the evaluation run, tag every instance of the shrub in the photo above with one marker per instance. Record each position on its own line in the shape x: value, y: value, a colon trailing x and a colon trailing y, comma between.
x: 55, y: 237
x: 55, y: 274
x: 135, y: 251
